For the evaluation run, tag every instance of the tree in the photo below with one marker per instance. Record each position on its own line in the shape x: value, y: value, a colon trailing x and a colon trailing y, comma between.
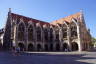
x: 94, y: 41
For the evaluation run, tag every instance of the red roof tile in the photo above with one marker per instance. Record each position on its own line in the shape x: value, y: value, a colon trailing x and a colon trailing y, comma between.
x: 60, y: 21
x: 67, y: 19
x: 27, y: 19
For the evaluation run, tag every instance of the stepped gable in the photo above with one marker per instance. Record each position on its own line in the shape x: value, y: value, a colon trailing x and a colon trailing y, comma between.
x: 66, y: 19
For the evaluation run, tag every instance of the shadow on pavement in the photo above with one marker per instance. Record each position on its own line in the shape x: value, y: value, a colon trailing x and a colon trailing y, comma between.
x: 42, y: 58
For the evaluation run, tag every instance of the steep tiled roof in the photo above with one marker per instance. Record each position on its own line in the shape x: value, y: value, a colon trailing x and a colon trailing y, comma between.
x: 60, y: 21
x: 27, y: 19
x: 67, y: 19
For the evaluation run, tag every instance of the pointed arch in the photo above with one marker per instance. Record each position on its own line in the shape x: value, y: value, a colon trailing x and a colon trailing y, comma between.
x: 21, y: 46
x: 30, y: 47
x: 64, y: 30
x: 21, y: 28
x: 74, y: 28
x: 74, y: 46
x: 38, y: 32
x: 75, y: 21
x: 30, y: 33
x: 45, y: 34
x: 57, y: 34
x: 51, y: 35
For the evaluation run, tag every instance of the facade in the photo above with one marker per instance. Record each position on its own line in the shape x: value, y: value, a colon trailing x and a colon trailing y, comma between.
x: 69, y: 33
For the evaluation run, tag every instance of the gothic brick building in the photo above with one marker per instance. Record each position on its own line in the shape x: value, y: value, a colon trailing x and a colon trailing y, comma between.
x: 34, y: 35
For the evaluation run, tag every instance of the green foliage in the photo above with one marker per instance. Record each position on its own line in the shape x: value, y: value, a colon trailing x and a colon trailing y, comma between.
x: 93, y: 40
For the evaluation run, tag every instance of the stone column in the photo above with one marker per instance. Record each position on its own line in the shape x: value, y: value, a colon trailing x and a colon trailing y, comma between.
x: 35, y: 38
x: 60, y: 38
x: 54, y: 37
x: 68, y: 37
x: 26, y: 39
x: 79, y: 39
x: 15, y: 37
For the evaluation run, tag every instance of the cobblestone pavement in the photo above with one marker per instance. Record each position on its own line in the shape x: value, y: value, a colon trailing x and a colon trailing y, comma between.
x: 49, y: 58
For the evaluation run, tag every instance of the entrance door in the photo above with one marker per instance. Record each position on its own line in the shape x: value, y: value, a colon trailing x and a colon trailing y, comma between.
x: 30, y: 47
x: 22, y: 47
x: 74, y: 46
x: 65, y: 46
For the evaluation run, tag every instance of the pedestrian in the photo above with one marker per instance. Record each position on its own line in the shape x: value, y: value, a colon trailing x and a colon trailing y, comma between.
x: 66, y: 50
x: 18, y: 51
x: 13, y: 50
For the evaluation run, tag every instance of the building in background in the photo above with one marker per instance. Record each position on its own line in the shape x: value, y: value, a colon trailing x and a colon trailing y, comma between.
x: 69, y: 33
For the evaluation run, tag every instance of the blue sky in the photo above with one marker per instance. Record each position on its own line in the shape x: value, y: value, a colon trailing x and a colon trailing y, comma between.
x: 50, y: 10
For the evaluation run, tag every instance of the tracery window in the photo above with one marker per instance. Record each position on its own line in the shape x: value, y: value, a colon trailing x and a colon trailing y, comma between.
x: 51, y: 34
x: 57, y: 34
x: 21, y: 30
x: 73, y: 30
x: 46, y: 34
x: 30, y: 33
x: 64, y: 31
x: 38, y: 31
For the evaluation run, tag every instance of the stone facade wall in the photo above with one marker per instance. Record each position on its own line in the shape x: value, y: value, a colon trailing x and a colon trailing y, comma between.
x: 63, y: 36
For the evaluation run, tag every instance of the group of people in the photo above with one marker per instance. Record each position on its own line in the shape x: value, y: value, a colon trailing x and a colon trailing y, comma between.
x: 16, y: 51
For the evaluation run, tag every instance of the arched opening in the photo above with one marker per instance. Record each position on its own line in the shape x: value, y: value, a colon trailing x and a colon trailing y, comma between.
x: 21, y: 46
x: 64, y: 31
x: 21, y: 30
x: 30, y: 47
x: 74, y: 46
x: 73, y: 30
x: 30, y: 33
x: 46, y: 34
x: 46, y: 47
x: 51, y: 47
x: 57, y: 34
x: 51, y: 35
x: 39, y: 48
x: 65, y: 46
x: 38, y: 31
x: 57, y: 47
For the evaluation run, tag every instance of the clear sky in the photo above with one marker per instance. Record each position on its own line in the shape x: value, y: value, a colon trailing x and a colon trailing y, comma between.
x: 50, y: 10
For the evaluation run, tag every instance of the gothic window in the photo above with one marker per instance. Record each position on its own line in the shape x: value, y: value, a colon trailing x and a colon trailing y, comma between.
x: 73, y: 30
x: 64, y: 31
x: 21, y: 30
x: 38, y: 31
x: 51, y: 34
x: 46, y: 34
x: 57, y: 34
x: 30, y: 33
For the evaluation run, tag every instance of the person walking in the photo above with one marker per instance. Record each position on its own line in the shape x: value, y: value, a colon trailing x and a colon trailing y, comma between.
x: 18, y: 51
